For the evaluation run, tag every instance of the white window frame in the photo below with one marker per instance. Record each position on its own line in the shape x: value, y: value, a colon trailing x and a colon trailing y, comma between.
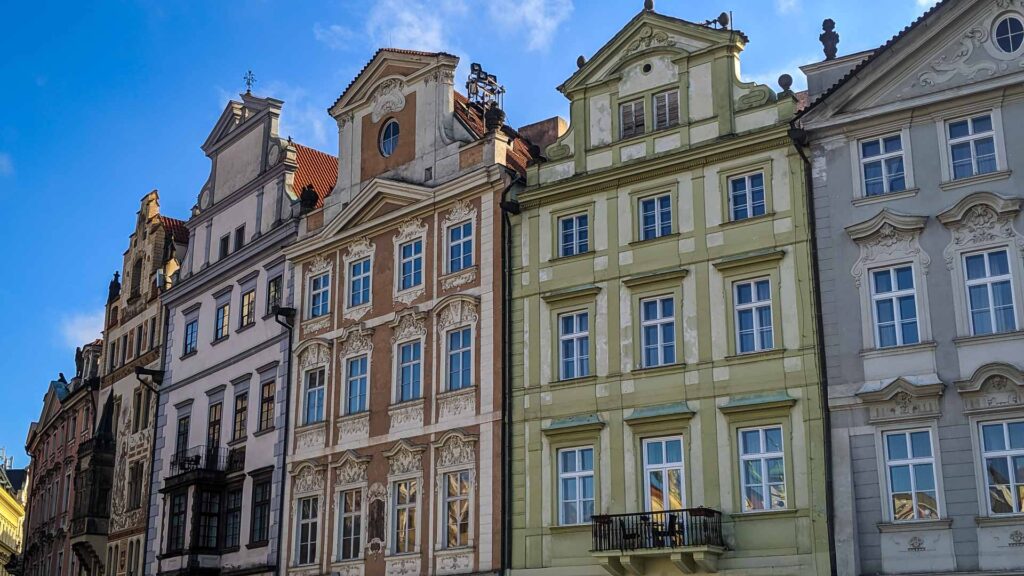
x: 988, y: 281
x: 763, y: 457
x: 972, y: 139
x: 353, y: 278
x: 580, y: 242
x: 350, y: 379
x: 322, y: 389
x: 754, y: 305
x: 320, y: 295
x: 400, y: 364
x: 466, y: 243
x: 447, y: 499
x: 313, y: 523
x: 659, y: 216
x: 658, y: 323
x: 894, y: 296
x: 882, y: 158
x: 465, y: 352
x: 413, y: 507
x: 912, y: 462
x: 577, y: 477
x: 412, y: 260
x: 1006, y: 453
x: 632, y: 104
x: 581, y: 345
x: 665, y: 467
x: 748, y: 196
x: 342, y: 515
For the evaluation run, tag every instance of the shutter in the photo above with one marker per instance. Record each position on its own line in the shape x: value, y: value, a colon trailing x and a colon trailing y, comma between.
x: 638, y: 117
x: 660, y: 110
x: 673, y: 108
x: 627, y: 120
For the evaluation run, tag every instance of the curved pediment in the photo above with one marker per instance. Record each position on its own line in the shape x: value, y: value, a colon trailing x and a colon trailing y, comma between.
x: 903, y: 398
x: 994, y: 387
x: 998, y: 204
x: 883, y: 222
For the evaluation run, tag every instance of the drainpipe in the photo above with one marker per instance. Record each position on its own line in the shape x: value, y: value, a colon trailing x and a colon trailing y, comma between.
x: 507, y: 207
x: 158, y: 379
x: 800, y: 140
x: 288, y: 315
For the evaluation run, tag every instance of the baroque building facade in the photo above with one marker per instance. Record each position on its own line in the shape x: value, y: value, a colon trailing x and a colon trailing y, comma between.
x: 665, y: 383
x: 916, y: 159
x: 394, y: 460
x: 13, y: 492
x: 218, y: 455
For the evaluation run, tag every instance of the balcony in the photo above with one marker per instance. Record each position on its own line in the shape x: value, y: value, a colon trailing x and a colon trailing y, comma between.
x: 197, y: 465
x: 689, y: 540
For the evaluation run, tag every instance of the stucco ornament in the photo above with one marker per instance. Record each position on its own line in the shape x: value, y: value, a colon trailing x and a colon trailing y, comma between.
x: 456, y: 450
x: 648, y: 37
x: 410, y: 229
x: 403, y: 459
x: 310, y: 439
x: 1016, y: 538
x: 315, y: 326
x: 460, y: 212
x: 409, y: 327
x: 994, y: 387
x: 403, y: 567
x: 354, y: 427
x: 456, y: 281
x: 406, y: 416
x: 458, y: 563
x: 889, y: 242
x: 356, y: 341
x: 980, y: 225
x: 387, y: 98
x: 948, y: 66
x: 758, y: 95
x: 319, y: 265
x: 352, y: 470
x: 455, y: 404
x: 316, y: 355
x: 309, y: 480
x: 359, y: 249
x: 457, y: 313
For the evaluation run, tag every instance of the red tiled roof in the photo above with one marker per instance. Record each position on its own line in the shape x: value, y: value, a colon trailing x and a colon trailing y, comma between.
x: 472, y: 117
x: 802, y: 100
x: 176, y: 228
x: 317, y: 168
x: 374, y: 57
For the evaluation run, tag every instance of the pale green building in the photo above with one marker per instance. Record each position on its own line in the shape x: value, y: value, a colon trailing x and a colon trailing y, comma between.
x: 665, y: 381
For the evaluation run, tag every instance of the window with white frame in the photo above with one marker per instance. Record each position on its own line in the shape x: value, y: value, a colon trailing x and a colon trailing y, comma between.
x: 990, y: 292
x: 405, y: 516
x: 314, y: 395
x: 307, y: 530
x: 320, y: 295
x: 631, y: 119
x: 753, y: 316
x: 895, y: 306
x: 575, y: 485
x: 881, y: 162
x: 663, y: 474
x: 350, y: 524
x: 409, y: 370
x: 460, y: 364
x: 456, y: 506
x: 1002, y: 446
x: 355, y: 385
x: 574, y: 235
x: 762, y: 469
x: 191, y: 337
x: 574, y: 345
x: 746, y: 196
x: 410, y: 264
x: 460, y: 246
x: 359, y: 283
x: 655, y: 217
x: 910, y: 472
x: 972, y: 146
x: 658, y: 331
x: 666, y: 109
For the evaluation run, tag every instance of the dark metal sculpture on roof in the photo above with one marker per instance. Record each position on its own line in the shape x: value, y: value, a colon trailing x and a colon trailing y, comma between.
x: 250, y: 79
x: 829, y: 38
x: 483, y: 88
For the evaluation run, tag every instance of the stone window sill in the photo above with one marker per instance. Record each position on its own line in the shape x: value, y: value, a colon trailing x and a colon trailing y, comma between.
x: 977, y: 179
x: 866, y: 200
x: 897, y: 350
x: 988, y: 338
x: 915, y: 525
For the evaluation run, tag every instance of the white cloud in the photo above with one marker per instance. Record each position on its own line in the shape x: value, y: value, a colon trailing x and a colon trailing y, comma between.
x: 926, y: 3
x: 787, y: 6
x: 6, y: 164
x: 540, y: 19
x: 81, y: 327
x: 334, y: 36
x: 410, y: 24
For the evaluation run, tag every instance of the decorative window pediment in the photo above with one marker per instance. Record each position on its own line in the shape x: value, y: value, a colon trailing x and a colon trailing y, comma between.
x: 404, y: 458
x: 980, y: 220
x: 408, y: 326
x: 455, y: 449
x: 903, y: 398
x: 886, y: 237
x: 357, y: 340
x: 457, y: 312
x: 316, y: 354
x: 350, y: 469
x: 993, y: 387
x: 307, y: 478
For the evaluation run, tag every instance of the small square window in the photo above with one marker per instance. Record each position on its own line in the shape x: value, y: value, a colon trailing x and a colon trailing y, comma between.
x: 882, y: 167
x: 573, y: 235
x: 655, y: 217
x: 972, y: 146
x: 746, y: 196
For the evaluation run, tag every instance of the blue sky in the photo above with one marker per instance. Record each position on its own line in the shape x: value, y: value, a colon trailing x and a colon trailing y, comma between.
x: 101, y: 102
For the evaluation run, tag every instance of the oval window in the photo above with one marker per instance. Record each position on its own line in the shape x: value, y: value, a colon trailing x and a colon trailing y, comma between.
x: 389, y: 138
x: 1010, y: 34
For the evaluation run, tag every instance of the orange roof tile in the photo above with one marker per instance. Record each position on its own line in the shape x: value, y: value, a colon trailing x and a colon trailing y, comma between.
x: 176, y: 228
x: 316, y: 168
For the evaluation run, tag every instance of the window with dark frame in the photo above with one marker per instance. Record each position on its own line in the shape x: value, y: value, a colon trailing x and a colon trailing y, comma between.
x: 666, y: 109
x: 351, y: 525
x: 181, y: 439
x: 631, y: 119
x: 241, y: 416
x: 225, y: 246
x: 213, y: 427
x: 209, y: 519
x: 267, y: 406
x: 220, y: 329
x: 248, y: 317
x: 191, y: 337
x: 239, y: 237
x: 259, y: 530
x: 273, y: 293
x: 233, y: 518
x: 176, y: 522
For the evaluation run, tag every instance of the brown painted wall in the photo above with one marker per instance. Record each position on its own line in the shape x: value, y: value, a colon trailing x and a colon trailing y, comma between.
x: 372, y: 162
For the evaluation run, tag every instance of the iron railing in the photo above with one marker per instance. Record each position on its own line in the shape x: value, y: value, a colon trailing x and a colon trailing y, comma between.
x: 654, y: 530
x: 213, y: 459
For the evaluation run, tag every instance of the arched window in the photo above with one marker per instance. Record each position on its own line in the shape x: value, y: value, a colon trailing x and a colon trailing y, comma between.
x: 389, y: 138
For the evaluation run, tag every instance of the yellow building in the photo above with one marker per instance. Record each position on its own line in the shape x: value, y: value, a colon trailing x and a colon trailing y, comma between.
x: 12, y: 512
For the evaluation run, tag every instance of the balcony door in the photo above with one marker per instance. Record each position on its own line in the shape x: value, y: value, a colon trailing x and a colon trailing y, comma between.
x: 663, y: 474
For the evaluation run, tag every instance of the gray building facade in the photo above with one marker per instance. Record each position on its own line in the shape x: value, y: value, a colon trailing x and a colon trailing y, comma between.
x: 917, y: 162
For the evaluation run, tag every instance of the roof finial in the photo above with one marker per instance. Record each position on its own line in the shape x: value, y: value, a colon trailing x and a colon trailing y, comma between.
x: 649, y: 5
x: 829, y: 38
x: 249, y: 79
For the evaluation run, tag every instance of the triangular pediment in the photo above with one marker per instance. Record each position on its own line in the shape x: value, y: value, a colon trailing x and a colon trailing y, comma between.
x: 379, y: 200
x: 648, y: 32
x: 236, y: 114
x: 387, y: 63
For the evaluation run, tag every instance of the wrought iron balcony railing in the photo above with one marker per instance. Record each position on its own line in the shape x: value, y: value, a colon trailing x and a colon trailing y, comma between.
x: 212, y: 459
x: 654, y: 530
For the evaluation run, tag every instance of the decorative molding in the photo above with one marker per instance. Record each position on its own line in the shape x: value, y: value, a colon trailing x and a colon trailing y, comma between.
x: 316, y: 326
x: 404, y: 458
x: 354, y: 427
x: 759, y: 95
x: 308, y: 480
x: 360, y: 249
x: 311, y: 439
x: 461, y: 211
x: 408, y: 326
x: 318, y: 354
x: 405, y: 566
x: 460, y: 562
x: 348, y: 569
x: 455, y: 449
x: 357, y: 340
x: 459, y: 279
x: 648, y: 37
x: 319, y: 265
x: 993, y: 387
x: 979, y: 219
x: 351, y: 469
x: 387, y: 98
x: 410, y: 230
x: 407, y: 296
x: 946, y: 67
x: 457, y: 312
x: 455, y: 404
x: 887, y: 235
x: 902, y: 399
x: 406, y: 415
x: 377, y: 492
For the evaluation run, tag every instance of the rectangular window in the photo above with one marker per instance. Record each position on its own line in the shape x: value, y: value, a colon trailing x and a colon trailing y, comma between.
x: 895, y: 306
x: 308, y: 529
x: 248, y: 317
x: 138, y: 340
x: 405, y: 516
x: 631, y: 119
x: 881, y: 161
x: 124, y: 349
x: 663, y: 474
x: 137, y: 410
x: 135, y: 486
x: 574, y: 345
x: 460, y: 246
x: 320, y: 295
x: 213, y: 426
x: 990, y: 292
x: 181, y: 437
x: 273, y: 293
x: 460, y: 364
x: 409, y: 371
x: 176, y: 522
x: 315, y: 395
x: 411, y: 264
x: 350, y: 529
x: 359, y: 283
x: 753, y: 316
x: 220, y: 329
x: 658, y: 331
x: 746, y: 196
x: 209, y: 518
x: 225, y: 245
x: 575, y: 485
x: 191, y: 337
x: 666, y: 109
x: 153, y: 339
x: 239, y: 237
x: 233, y: 518
x: 259, y: 531
x: 574, y: 235
x: 456, y: 505
x: 241, y: 423
x: 972, y: 147
x: 267, y: 406
x: 355, y: 385
x: 762, y: 469
x: 910, y: 470
x: 1002, y: 446
x: 655, y: 217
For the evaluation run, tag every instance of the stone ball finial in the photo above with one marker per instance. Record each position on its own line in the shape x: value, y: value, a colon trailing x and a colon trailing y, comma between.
x: 580, y: 61
x: 829, y: 38
x: 785, y: 82
x: 649, y: 5
x: 723, y: 19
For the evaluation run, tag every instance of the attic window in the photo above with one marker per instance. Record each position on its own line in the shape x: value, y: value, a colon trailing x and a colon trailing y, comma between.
x: 389, y: 138
x: 1009, y: 34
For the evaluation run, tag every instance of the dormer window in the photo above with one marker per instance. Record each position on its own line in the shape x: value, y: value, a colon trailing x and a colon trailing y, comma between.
x: 631, y: 119
x: 389, y: 138
x: 666, y: 109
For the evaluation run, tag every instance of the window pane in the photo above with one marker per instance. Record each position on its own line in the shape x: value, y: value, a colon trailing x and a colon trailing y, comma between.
x: 927, y: 507
x: 587, y: 459
x: 773, y: 440
x: 674, y: 450
x: 900, y: 478
x: 998, y: 470
x: 763, y: 291
x: 924, y: 477
x: 893, y: 144
x: 998, y: 263
x: 744, y: 294
x: 1017, y: 439
x: 568, y: 459
x: 902, y: 506
x: 1001, y: 499
x: 675, y: 489
x: 982, y: 124
x: 870, y: 148
x: 920, y: 444
x: 905, y: 278
x: 897, y: 445
x: 962, y: 166
x: 776, y: 470
x: 985, y: 150
x: 751, y: 442
x: 753, y: 498
x: 992, y: 436
x: 655, y: 453
x: 656, y: 490
x: 752, y: 472
x: 958, y: 129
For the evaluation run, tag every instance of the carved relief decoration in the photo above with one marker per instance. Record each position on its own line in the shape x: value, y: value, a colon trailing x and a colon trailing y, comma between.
x: 351, y: 469
x: 994, y: 387
x: 315, y: 326
x: 981, y: 224
x: 402, y: 566
x: 947, y: 66
x: 360, y: 249
x: 356, y: 341
x: 348, y: 569
x: 311, y: 439
x: 457, y: 313
x: 319, y: 265
x: 387, y: 98
x: 903, y: 400
x: 316, y: 355
x: 355, y: 427
x: 410, y: 230
x: 460, y: 212
x: 409, y: 326
x: 404, y: 459
x: 459, y: 563
x: 455, y: 404
x: 406, y: 415
x: 758, y: 95
x: 887, y: 236
x: 648, y: 37
x: 308, y: 480
x: 455, y: 449
x: 458, y: 280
